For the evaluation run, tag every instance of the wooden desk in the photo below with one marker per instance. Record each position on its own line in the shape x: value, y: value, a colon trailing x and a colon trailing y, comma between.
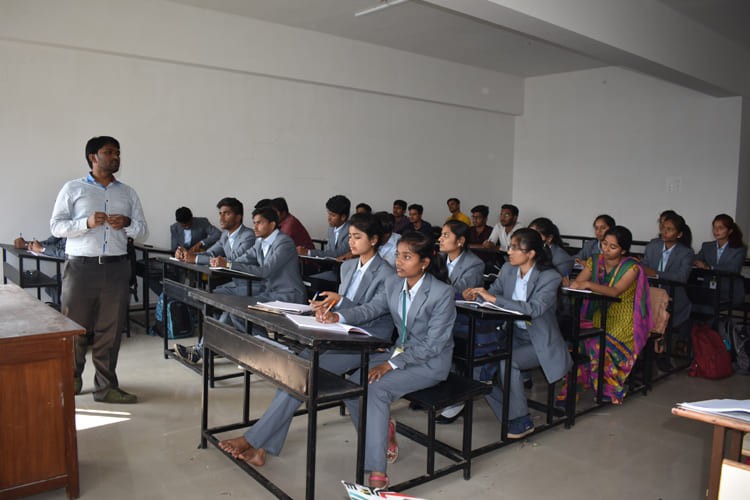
x: 38, y: 449
x: 301, y: 377
x: 24, y: 277
x: 727, y: 442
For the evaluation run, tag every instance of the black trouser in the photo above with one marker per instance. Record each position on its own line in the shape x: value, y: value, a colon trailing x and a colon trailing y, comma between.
x: 96, y: 296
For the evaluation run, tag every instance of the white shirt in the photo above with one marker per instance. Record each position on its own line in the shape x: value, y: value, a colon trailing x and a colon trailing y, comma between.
x: 78, y: 199
x: 451, y: 265
x: 265, y: 243
x: 500, y: 237
x: 387, y: 251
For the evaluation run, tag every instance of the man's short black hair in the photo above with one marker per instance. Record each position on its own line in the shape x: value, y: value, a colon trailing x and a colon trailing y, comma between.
x: 234, y: 205
x: 268, y: 213
x: 280, y: 205
x: 482, y: 209
x: 416, y: 206
x: 513, y: 209
x: 453, y: 199
x: 400, y: 203
x: 367, y: 207
x: 183, y: 215
x: 97, y: 143
x: 263, y: 203
x: 387, y: 220
x: 339, y: 204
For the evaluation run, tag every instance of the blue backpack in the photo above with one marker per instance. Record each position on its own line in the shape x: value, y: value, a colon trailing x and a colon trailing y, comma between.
x: 181, y: 319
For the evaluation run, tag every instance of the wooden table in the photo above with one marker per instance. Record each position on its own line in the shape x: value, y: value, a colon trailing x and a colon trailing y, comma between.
x: 38, y: 449
x: 727, y: 442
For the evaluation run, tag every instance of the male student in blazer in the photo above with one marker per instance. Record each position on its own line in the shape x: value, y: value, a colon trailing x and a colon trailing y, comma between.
x: 236, y: 240
x: 338, y: 231
x: 192, y: 233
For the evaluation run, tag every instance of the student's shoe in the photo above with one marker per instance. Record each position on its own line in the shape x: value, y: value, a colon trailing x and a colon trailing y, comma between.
x: 77, y: 385
x: 189, y: 354
x: 520, y: 427
x: 117, y: 396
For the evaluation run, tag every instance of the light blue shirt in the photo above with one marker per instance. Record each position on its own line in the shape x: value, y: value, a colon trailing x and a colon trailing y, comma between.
x: 188, y: 237
x: 410, y: 294
x: 387, y: 251
x: 351, y: 291
x: 520, y: 292
x: 78, y: 199
x: 451, y: 265
x: 265, y: 243
x: 720, y: 250
x: 665, y: 257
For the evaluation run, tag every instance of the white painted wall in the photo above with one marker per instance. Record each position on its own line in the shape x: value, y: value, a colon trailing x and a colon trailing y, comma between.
x: 204, y: 110
x: 606, y: 140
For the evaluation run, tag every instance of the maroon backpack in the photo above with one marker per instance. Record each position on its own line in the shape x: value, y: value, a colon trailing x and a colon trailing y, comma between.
x: 710, y: 356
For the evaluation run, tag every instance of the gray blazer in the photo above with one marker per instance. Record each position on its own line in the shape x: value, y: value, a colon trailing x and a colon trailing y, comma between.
x: 731, y: 261
x: 201, y: 230
x: 589, y: 249
x: 467, y: 273
x: 242, y: 244
x: 678, y: 269
x: 561, y: 260
x: 336, y: 246
x: 371, y: 285
x: 541, y: 303
x: 429, y: 339
x: 279, y: 270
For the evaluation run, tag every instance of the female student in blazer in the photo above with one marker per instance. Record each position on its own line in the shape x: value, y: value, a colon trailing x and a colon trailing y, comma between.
x: 362, y: 279
x: 464, y: 269
x: 670, y: 257
x: 591, y: 247
x: 561, y: 260
x: 423, y: 310
x: 725, y: 253
x: 527, y: 284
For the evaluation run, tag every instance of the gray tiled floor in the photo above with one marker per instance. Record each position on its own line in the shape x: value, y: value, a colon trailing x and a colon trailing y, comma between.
x: 638, y: 450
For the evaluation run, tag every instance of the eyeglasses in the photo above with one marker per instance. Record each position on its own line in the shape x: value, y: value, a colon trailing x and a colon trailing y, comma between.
x: 516, y: 248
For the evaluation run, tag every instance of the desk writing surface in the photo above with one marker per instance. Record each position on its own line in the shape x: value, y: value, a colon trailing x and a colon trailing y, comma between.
x: 150, y: 248
x: 21, y: 315
x: 237, y: 305
x: 712, y: 418
x: 22, y: 252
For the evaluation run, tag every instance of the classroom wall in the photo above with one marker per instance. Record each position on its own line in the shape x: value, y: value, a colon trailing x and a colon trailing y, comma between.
x: 743, y: 181
x: 204, y: 109
x: 611, y: 140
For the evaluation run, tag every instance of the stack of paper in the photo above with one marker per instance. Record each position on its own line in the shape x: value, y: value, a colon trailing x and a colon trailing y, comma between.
x: 735, y: 408
x: 359, y: 492
x: 486, y: 305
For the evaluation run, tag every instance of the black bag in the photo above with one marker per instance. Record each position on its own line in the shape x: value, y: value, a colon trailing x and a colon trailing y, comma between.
x: 180, y: 319
x: 741, y: 338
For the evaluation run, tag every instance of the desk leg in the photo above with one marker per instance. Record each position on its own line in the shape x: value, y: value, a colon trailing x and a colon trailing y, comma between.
x: 312, y: 425
x: 246, y: 400
x: 365, y: 364
x: 204, y: 409
x: 146, y: 291
x: 506, y: 381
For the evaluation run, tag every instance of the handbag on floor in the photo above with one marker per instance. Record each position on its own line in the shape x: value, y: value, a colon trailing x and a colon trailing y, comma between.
x: 710, y: 356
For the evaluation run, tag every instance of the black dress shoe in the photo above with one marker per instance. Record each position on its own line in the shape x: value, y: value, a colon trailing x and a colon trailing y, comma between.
x: 440, y: 419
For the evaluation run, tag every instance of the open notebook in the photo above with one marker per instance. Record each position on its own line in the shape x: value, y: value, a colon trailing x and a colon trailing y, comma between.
x: 487, y: 305
x: 280, y: 307
x: 311, y: 323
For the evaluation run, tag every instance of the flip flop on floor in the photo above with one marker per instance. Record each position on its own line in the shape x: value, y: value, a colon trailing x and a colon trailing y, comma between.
x: 391, y: 453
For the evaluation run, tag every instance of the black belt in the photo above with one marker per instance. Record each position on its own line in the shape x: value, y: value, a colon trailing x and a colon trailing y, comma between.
x: 103, y: 259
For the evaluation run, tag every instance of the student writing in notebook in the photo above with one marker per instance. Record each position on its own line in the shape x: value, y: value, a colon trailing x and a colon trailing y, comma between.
x: 362, y: 279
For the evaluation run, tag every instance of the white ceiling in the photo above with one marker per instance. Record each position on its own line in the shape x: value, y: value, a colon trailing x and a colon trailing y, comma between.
x: 425, y: 29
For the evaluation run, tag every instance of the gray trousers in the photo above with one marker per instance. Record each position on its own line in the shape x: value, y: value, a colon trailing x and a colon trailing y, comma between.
x: 524, y: 358
x: 392, y: 386
x: 270, y: 431
x: 96, y: 297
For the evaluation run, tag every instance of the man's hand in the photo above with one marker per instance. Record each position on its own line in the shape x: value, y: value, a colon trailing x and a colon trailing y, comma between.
x: 117, y: 221
x: 96, y: 219
x: 196, y: 248
x: 377, y: 373
x: 218, y: 262
x: 19, y: 242
x: 302, y: 251
x: 36, y: 247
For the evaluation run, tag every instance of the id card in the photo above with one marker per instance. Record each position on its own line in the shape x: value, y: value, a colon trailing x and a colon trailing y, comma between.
x: 397, y: 351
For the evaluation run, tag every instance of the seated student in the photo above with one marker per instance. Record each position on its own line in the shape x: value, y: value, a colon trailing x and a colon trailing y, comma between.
x: 363, y: 208
x: 725, y: 253
x: 454, y: 207
x: 422, y: 354
x: 416, y: 223
x: 480, y: 231
x: 402, y: 221
x: 236, y: 240
x: 362, y: 279
x: 464, y: 270
x: 387, y: 250
x: 561, y: 260
x: 193, y: 233
x: 670, y: 258
x: 338, y: 231
x: 613, y: 273
x: 290, y: 225
x: 602, y: 223
x: 504, y: 229
x: 529, y: 285
x: 52, y: 246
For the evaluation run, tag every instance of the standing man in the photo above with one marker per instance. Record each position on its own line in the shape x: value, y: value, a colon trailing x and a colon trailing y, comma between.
x: 97, y: 214
x: 454, y: 207
x: 504, y: 229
